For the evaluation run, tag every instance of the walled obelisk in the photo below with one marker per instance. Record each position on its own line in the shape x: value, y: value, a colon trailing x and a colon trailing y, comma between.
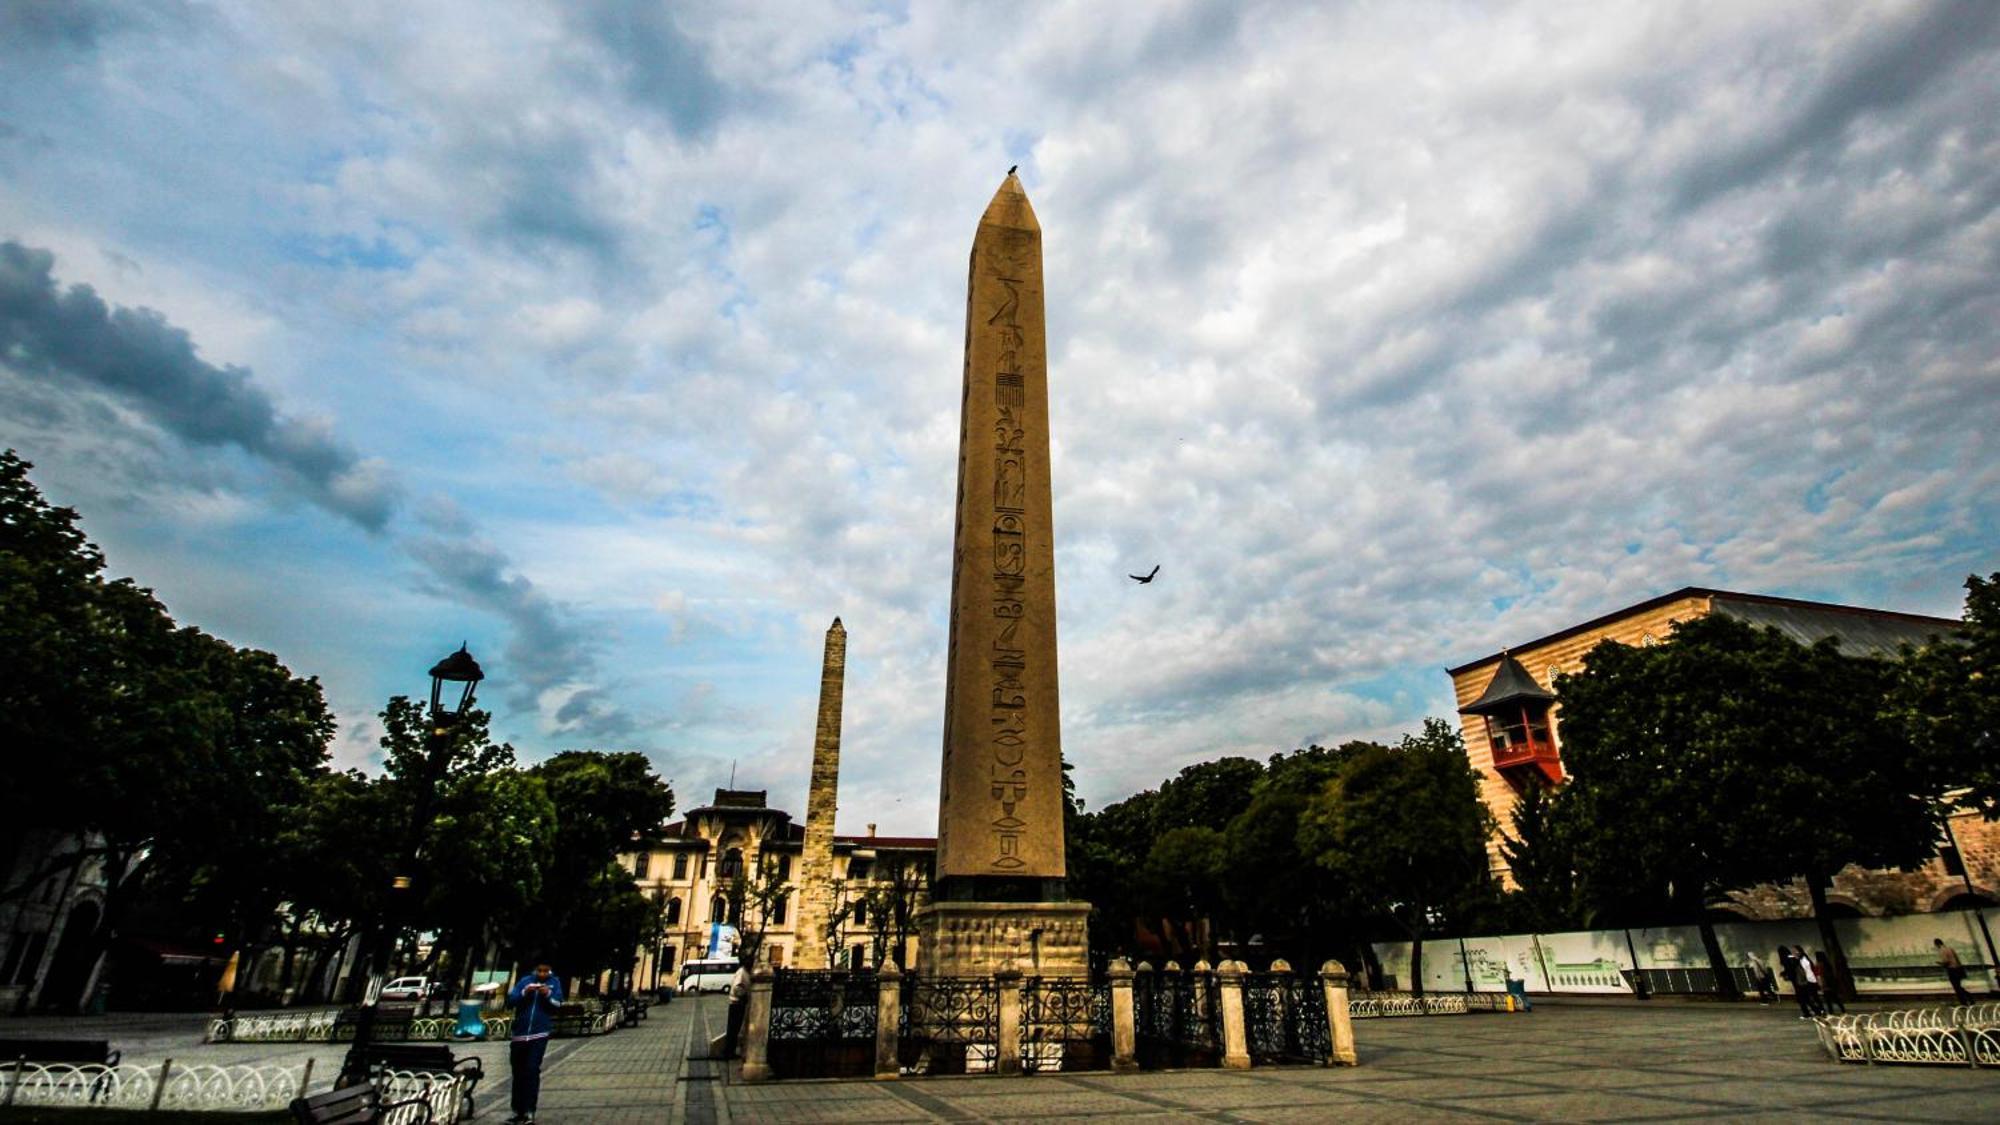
x: 998, y: 901
x: 816, y: 874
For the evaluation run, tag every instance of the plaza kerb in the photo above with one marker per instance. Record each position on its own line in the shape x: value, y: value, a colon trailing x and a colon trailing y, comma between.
x: 1215, y: 996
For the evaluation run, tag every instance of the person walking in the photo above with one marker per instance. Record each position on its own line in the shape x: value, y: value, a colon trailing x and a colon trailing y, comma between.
x: 739, y: 999
x: 1829, y: 985
x: 1761, y: 979
x: 1954, y: 969
x: 534, y: 999
x: 1788, y: 966
x: 1809, y: 990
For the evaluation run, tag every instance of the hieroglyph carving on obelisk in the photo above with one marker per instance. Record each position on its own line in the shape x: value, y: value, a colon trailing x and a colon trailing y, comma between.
x: 816, y: 874
x: 1000, y: 822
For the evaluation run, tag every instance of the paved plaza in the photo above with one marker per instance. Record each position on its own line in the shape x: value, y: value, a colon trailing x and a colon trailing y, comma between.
x: 1566, y: 1061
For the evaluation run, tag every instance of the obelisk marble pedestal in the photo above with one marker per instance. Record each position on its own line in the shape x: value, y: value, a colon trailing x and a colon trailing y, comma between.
x: 978, y: 939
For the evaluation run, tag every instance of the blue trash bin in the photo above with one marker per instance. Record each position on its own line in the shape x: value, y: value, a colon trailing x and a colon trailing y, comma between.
x: 1518, y: 989
x: 470, y: 1025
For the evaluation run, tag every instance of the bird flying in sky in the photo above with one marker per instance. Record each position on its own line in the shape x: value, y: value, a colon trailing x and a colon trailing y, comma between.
x: 1147, y: 578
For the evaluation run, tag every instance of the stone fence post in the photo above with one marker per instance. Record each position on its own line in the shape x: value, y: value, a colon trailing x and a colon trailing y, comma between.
x: 1340, y: 1023
x: 1124, y: 1027
x: 1235, y: 1037
x: 888, y: 1020
x: 1281, y: 980
x: 757, y: 1027
x: 1007, y: 1059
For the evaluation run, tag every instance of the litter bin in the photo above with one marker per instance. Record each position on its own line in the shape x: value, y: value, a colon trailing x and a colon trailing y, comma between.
x: 1517, y: 995
x: 470, y: 1026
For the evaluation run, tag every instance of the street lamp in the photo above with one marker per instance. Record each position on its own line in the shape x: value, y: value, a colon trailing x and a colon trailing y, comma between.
x: 461, y: 669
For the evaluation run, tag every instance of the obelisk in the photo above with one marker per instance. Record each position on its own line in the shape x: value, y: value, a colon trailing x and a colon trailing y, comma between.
x: 816, y: 874
x: 999, y: 901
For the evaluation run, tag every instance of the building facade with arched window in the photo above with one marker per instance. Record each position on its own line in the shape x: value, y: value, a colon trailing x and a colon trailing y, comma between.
x: 688, y: 870
x: 1511, y: 720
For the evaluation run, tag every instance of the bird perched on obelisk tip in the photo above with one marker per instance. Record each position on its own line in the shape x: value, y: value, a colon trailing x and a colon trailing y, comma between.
x: 1000, y: 858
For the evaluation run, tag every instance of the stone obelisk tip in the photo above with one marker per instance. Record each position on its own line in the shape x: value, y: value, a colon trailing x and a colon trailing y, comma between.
x: 1010, y: 207
x: 837, y: 625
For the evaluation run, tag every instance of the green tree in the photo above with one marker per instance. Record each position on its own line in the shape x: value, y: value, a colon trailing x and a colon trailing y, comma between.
x: 588, y: 916
x: 1406, y: 830
x: 1947, y: 701
x: 1730, y: 756
x: 1540, y: 852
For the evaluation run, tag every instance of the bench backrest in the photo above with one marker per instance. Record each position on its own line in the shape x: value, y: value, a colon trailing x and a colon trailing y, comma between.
x: 339, y: 1107
x: 409, y: 1057
x: 55, y: 1050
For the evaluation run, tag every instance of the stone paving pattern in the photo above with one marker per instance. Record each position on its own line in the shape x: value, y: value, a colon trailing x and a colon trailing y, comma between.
x: 1566, y: 1061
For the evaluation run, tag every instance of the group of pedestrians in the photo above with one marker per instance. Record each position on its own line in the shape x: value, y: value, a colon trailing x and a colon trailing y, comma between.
x: 1813, y: 985
x: 1811, y: 978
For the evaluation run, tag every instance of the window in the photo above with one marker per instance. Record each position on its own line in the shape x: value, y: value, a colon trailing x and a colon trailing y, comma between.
x: 680, y: 865
x: 667, y: 953
x: 784, y: 867
x: 857, y: 869
x: 717, y: 909
x: 732, y: 864
x: 777, y: 956
x: 641, y: 864
x: 860, y: 913
x: 1954, y: 864
x: 674, y: 910
x: 778, y: 910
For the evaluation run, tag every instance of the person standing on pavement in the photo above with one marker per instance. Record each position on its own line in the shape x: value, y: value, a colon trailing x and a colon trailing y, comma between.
x: 1954, y: 969
x: 739, y: 999
x: 534, y: 998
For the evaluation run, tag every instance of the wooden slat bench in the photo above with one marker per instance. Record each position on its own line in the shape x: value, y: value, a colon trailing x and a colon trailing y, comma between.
x: 353, y: 1105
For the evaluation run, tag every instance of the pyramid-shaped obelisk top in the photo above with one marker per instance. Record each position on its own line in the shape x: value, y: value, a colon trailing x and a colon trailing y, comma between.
x: 1010, y: 207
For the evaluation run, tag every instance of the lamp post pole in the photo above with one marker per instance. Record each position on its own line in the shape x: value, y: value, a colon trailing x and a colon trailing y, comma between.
x: 458, y: 668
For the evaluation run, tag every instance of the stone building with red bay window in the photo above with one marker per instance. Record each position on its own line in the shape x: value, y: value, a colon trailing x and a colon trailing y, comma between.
x: 1512, y: 724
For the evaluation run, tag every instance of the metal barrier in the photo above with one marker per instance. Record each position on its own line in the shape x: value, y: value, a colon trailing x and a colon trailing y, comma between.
x: 822, y: 1024
x: 336, y: 1025
x: 1369, y: 1005
x: 1178, y: 1017
x: 949, y: 1025
x: 148, y: 1086
x: 1968, y: 1035
x: 1284, y: 1019
x: 1065, y: 1024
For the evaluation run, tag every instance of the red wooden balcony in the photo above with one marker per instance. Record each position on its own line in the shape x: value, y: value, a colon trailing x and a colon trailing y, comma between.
x: 1511, y: 755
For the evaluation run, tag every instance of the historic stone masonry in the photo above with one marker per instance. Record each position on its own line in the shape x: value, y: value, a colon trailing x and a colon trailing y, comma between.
x: 1000, y: 897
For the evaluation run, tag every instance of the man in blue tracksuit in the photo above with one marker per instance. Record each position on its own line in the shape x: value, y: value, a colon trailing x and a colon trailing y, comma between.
x: 534, y: 999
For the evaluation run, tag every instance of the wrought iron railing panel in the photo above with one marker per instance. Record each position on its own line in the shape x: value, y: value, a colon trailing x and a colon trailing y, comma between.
x: 822, y: 1024
x: 1065, y: 1024
x: 1178, y: 1018
x: 1284, y: 1019
x: 948, y: 1025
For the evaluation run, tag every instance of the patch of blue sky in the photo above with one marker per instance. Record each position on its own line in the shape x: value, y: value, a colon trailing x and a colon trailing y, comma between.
x: 1821, y: 492
x: 373, y: 255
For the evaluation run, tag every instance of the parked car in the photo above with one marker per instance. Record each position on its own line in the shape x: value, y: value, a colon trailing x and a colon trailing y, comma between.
x: 410, y: 988
x: 708, y: 975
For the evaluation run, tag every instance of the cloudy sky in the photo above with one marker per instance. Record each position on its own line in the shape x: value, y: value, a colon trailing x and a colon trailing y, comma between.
x: 622, y: 341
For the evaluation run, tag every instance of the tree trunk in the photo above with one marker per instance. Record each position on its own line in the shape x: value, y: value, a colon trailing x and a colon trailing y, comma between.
x: 1417, y: 959
x: 1842, y: 984
x: 1725, y: 981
